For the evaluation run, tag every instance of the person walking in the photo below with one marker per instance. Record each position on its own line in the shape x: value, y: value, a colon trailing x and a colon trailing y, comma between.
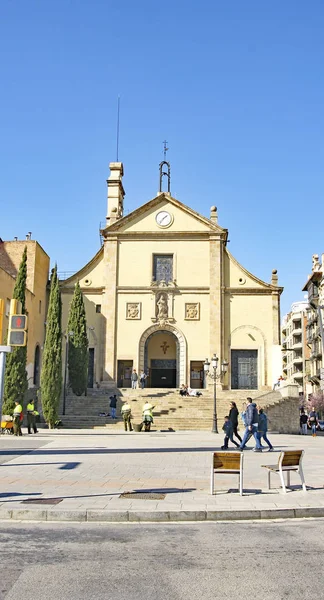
x: 143, y: 377
x: 251, y: 426
x: 303, y: 422
x: 134, y: 379
x: 228, y: 430
x: 126, y: 412
x: 313, y: 421
x: 263, y: 428
x: 233, y: 417
x: 31, y: 417
x: 17, y: 418
x: 113, y: 406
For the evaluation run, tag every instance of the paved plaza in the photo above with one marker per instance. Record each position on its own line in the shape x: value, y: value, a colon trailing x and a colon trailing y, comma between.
x: 82, y: 473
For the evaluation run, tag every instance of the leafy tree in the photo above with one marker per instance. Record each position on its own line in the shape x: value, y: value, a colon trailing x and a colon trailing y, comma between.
x: 78, y: 343
x: 51, y: 375
x: 16, y: 384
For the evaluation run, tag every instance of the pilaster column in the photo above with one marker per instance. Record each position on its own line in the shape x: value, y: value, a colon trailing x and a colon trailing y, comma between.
x: 216, y: 303
x: 109, y: 309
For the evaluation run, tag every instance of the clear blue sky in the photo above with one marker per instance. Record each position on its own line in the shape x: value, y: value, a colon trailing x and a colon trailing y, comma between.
x: 235, y: 87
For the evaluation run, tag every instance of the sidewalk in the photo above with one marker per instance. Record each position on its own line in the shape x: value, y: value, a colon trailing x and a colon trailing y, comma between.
x: 80, y: 475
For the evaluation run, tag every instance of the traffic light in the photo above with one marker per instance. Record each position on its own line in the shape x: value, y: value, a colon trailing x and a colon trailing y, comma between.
x: 17, y: 334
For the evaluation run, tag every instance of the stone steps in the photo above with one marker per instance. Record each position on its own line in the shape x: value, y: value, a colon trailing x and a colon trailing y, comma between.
x: 171, y: 410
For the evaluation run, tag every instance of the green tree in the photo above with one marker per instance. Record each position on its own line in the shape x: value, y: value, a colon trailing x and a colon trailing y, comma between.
x: 16, y: 384
x: 78, y: 343
x: 51, y: 375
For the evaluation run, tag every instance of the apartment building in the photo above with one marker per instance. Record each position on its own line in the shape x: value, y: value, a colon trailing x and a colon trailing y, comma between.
x: 295, y: 350
x: 314, y: 327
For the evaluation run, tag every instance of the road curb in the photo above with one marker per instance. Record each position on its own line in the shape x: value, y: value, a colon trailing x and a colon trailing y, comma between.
x: 137, y: 516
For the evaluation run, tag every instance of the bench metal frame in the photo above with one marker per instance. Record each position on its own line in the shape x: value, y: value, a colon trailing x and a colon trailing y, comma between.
x: 289, y: 460
x: 230, y: 463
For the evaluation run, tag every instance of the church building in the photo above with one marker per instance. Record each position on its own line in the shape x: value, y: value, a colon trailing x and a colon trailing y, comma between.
x: 163, y: 293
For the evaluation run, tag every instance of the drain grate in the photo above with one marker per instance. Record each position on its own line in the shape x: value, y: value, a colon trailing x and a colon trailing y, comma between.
x: 42, y: 501
x: 143, y: 495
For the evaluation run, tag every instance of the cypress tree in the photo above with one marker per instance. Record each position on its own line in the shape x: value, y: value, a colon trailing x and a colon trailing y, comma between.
x: 51, y: 375
x: 78, y: 344
x: 16, y: 384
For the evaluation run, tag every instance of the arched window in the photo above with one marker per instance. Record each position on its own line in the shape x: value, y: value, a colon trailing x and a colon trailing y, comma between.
x: 36, y: 365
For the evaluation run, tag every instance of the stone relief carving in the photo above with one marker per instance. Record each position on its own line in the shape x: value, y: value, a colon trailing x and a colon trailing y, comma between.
x: 133, y: 310
x: 192, y: 311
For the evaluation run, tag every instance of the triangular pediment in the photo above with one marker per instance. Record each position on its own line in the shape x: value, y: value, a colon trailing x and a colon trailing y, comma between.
x: 144, y: 218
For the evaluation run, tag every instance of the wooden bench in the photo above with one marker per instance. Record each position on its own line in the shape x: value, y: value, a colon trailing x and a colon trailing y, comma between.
x: 289, y: 460
x: 230, y: 463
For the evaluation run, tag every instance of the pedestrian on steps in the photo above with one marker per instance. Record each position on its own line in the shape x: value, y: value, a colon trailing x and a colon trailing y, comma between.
x: 233, y: 417
x: 113, y: 406
x: 126, y: 412
x: 134, y: 379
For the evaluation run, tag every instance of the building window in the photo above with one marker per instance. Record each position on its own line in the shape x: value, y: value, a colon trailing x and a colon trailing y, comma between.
x: 163, y: 267
x: 98, y: 308
x: 7, y: 307
x: 40, y: 307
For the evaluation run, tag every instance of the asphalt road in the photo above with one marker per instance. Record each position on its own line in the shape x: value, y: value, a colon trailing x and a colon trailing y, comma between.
x: 274, y: 560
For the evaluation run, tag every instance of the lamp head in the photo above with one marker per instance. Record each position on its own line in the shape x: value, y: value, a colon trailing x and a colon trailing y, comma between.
x: 224, y: 366
x: 214, y: 361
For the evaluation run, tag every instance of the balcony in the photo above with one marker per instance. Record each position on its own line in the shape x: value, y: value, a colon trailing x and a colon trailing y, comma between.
x: 297, y: 360
x: 299, y: 375
x: 297, y: 345
x: 298, y: 331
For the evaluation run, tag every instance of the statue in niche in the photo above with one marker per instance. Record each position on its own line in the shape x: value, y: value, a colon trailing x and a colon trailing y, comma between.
x: 162, y: 307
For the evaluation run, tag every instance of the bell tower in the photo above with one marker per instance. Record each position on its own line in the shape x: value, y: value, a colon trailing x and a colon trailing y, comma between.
x: 115, y: 192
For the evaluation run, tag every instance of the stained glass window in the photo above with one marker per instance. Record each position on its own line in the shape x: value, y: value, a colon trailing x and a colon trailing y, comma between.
x: 163, y: 267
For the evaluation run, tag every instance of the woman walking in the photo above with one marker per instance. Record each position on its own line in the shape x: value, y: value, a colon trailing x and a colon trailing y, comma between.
x: 233, y: 417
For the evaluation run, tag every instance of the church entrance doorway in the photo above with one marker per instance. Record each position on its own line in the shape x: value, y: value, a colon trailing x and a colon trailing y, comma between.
x: 161, y: 359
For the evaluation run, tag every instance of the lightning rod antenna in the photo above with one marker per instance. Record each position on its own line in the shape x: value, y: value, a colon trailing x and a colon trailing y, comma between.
x: 118, y: 109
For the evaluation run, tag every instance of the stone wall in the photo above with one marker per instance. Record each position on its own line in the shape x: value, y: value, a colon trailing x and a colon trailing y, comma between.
x: 283, y: 417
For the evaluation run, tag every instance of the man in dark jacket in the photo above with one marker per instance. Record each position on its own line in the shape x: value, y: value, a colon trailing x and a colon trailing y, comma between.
x: 228, y: 430
x: 113, y: 406
x: 251, y: 426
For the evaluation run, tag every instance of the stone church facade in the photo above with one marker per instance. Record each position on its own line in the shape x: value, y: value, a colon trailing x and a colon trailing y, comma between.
x: 163, y: 293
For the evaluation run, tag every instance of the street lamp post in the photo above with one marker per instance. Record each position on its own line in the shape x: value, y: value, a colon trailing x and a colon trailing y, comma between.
x: 66, y: 335
x: 214, y: 376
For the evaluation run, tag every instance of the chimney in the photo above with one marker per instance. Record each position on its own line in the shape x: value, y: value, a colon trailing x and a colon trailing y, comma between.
x: 213, y: 215
x: 28, y: 236
x: 15, y: 239
x: 116, y: 192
